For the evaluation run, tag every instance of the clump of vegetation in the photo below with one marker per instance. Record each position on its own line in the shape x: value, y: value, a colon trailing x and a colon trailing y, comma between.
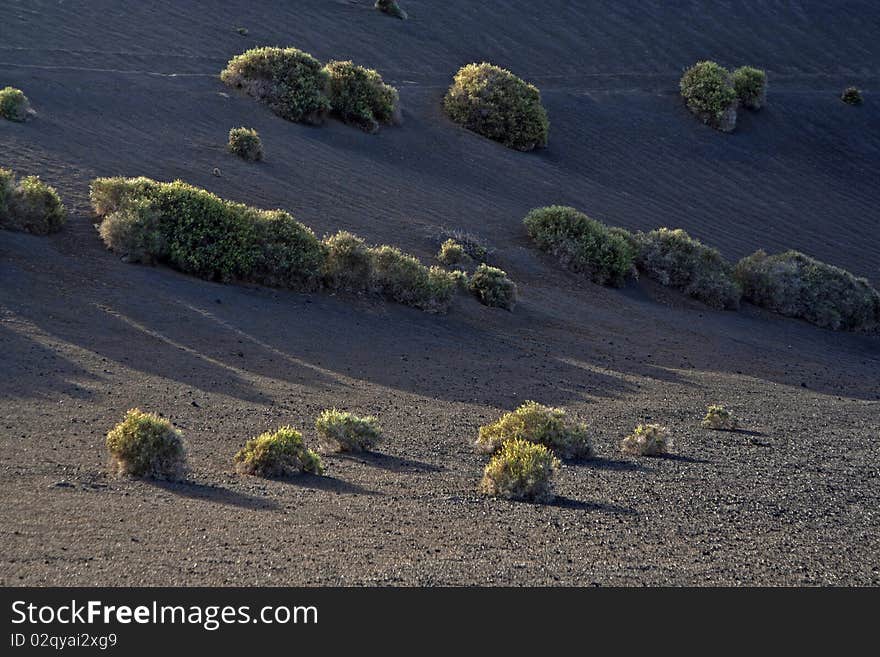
x: 709, y: 94
x: 539, y: 424
x: 145, y: 445
x: 750, y: 85
x: 647, y: 440
x: 277, y: 454
x: 719, y: 418
x: 358, y: 95
x: 292, y: 82
x: 521, y: 470
x: 675, y: 259
x: 473, y: 245
x: 495, y: 103
x: 14, y: 105
x: 404, y: 279
x: 29, y: 205
x: 582, y: 244
x: 797, y: 285
x: 493, y: 288
x: 346, y: 432
x: 391, y: 8
x: 851, y: 96
x: 348, y: 263
x: 452, y: 253
x: 246, y: 143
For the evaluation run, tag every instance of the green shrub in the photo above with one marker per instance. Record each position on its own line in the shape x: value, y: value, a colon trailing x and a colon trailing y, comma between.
x: 719, y: 418
x: 346, y: 432
x: 495, y: 103
x: 797, y: 285
x: 521, y: 470
x: 647, y: 440
x: 348, y: 264
x: 14, y: 105
x: 582, y: 244
x: 246, y: 143
x: 29, y: 205
x: 287, y: 252
x: 709, y: 94
x: 277, y: 454
x: 292, y: 82
x: 359, y: 96
x: 144, y: 445
x: 473, y: 245
x: 133, y: 232
x: 750, y: 85
x: 493, y: 288
x: 540, y: 424
x: 403, y: 278
x: 391, y: 8
x: 108, y: 195
x: 851, y: 96
x: 452, y: 253
x: 675, y: 259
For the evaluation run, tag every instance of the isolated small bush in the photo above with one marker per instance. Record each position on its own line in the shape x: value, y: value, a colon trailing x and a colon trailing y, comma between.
x: 495, y: 103
x: 14, y: 105
x: 709, y: 94
x: 473, y: 245
x: 246, y: 143
x: 391, y: 8
x: 145, y: 445
x: 797, y: 285
x: 404, y: 279
x: 719, y: 418
x: 452, y: 253
x: 540, y: 424
x: 346, y: 432
x: 277, y: 454
x: 292, y: 82
x: 348, y: 263
x: 521, y: 470
x: 493, y: 288
x: 358, y: 95
x: 675, y: 259
x: 750, y: 85
x: 851, y: 96
x: 647, y: 440
x: 582, y: 244
x: 29, y: 205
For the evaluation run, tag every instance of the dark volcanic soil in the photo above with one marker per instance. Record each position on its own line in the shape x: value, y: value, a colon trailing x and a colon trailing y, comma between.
x: 131, y: 89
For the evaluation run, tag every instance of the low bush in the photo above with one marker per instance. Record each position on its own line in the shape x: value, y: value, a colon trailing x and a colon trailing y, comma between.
x: 452, y: 253
x: 358, y: 95
x: 719, y: 418
x: 348, y: 263
x: 404, y: 279
x: 540, y: 424
x: 797, y: 285
x: 473, y: 245
x: 521, y: 470
x: 493, y: 288
x: 391, y: 8
x: 29, y: 205
x: 292, y: 82
x: 675, y: 259
x: 495, y: 103
x: 709, y: 94
x: 346, y: 432
x: 582, y: 244
x: 851, y: 96
x: 647, y: 440
x: 277, y: 454
x: 145, y: 445
x: 246, y: 143
x: 750, y: 85
x: 14, y: 105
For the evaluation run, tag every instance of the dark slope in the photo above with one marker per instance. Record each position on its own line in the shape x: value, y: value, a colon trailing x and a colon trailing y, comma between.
x: 134, y: 92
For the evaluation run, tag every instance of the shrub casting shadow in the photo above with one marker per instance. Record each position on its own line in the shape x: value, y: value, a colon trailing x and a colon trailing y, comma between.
x: 561, y: 502
x: 216, y: 494
x: 326, y: 483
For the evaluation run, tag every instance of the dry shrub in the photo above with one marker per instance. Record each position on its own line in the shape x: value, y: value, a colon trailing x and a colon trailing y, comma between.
x: 277, y: 453
x: 493, y: 288
x: 346, y: 432
x: 145, y: 445
x: 539, y: 424
x: 719, y: 419
x: 521, y: 470
x: 647, y: 440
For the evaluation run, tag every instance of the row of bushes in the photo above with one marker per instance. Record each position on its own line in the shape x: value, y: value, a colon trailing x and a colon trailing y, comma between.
x: 713, y: 94
x: 29, y: 205
x: 145, y: 445
x: 297, y: 87
x: 789, y: 283
x: 199, y: 233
